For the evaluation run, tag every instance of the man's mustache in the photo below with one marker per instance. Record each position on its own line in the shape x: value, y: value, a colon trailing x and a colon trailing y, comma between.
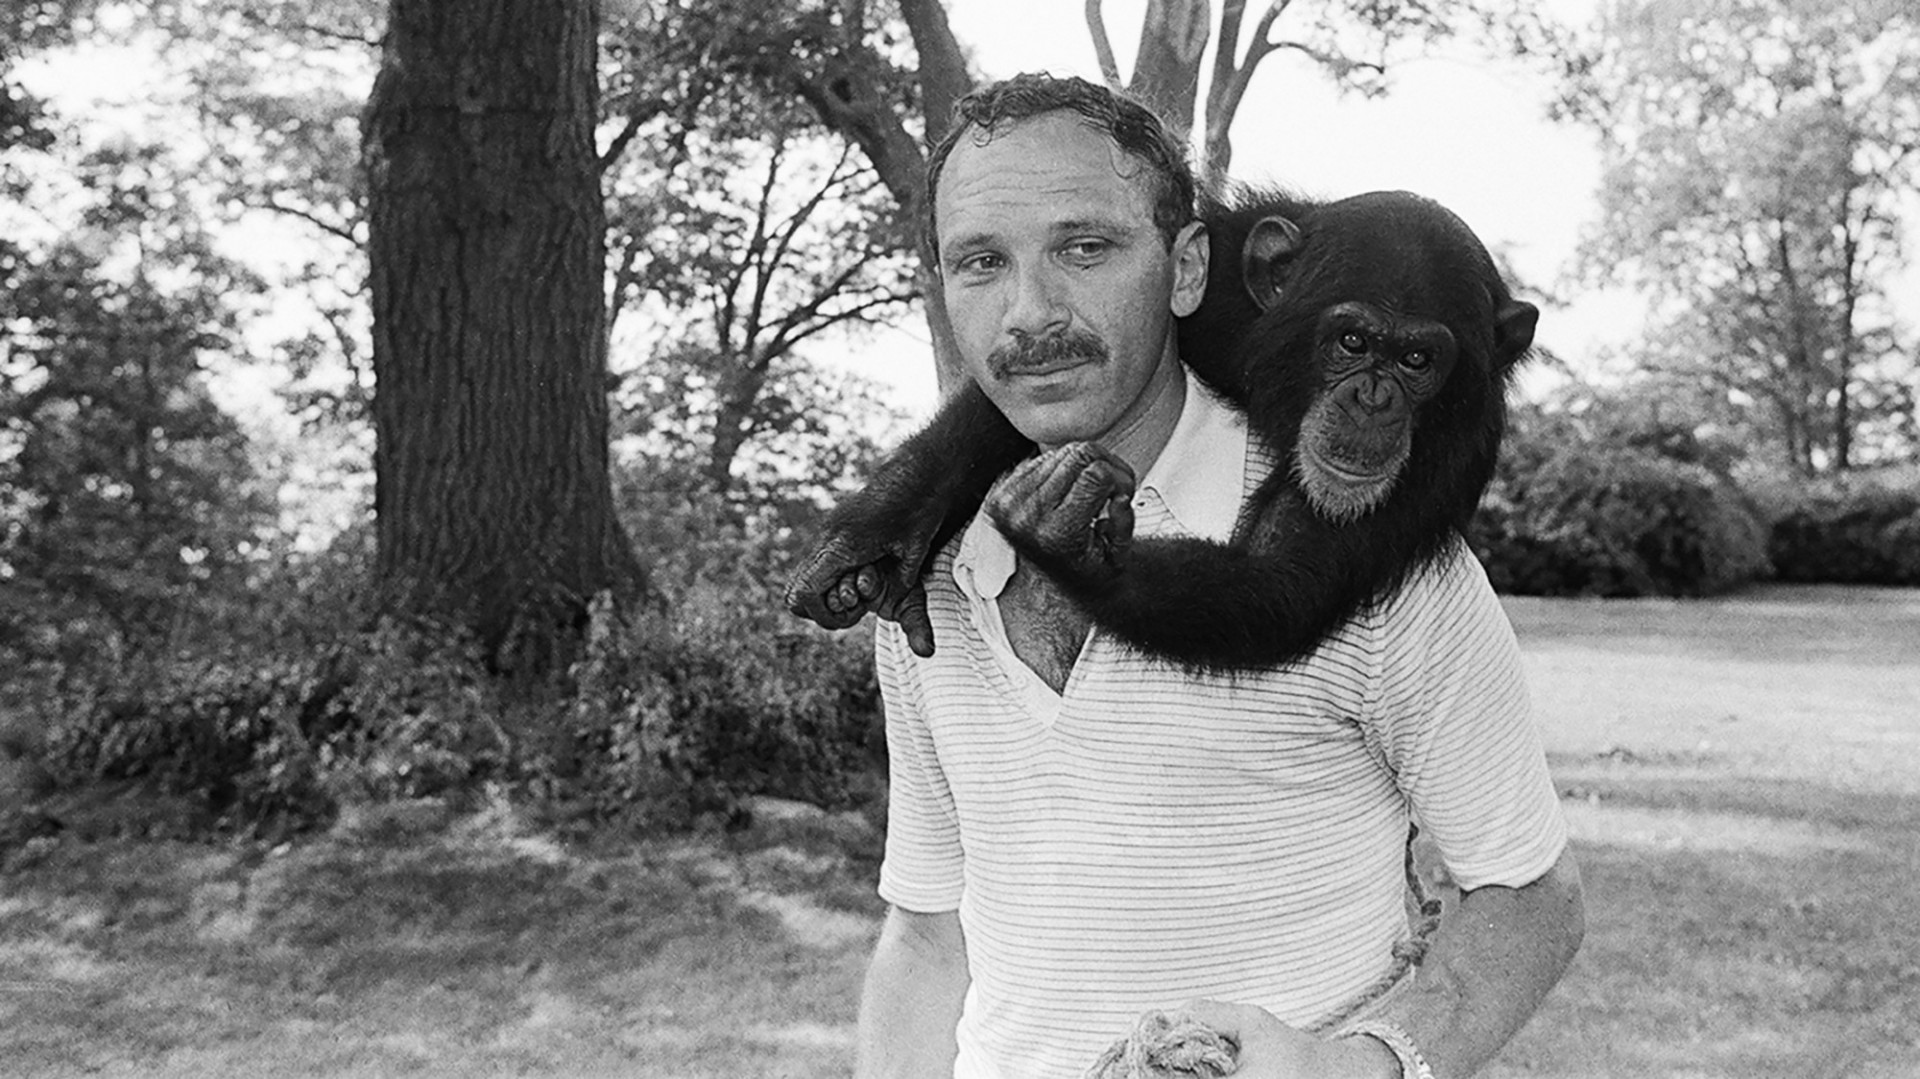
x: 1025, y: 353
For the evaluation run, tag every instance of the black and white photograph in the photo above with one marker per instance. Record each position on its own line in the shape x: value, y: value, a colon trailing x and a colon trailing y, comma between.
x: 960, y: 539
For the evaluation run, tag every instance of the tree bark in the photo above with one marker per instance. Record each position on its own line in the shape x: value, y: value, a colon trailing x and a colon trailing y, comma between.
x: 1166, y: 70
x: 487, y: 248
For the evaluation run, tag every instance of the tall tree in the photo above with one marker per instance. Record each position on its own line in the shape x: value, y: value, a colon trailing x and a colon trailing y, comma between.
x: 741, y: 230
x: 487, y: 246
x: 758, y: 249
x: 1759, y: 157
x: 127, y: 497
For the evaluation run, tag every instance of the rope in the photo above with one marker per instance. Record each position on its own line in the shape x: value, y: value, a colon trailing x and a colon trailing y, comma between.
x: 1178, y: 1046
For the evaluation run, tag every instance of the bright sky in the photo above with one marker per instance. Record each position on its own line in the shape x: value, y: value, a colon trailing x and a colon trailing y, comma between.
x: 1457, y: 127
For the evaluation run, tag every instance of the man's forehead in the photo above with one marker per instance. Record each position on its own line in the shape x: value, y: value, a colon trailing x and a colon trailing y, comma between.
x: 1054, y: 165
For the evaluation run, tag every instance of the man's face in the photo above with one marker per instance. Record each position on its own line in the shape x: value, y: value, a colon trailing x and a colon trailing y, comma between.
x: 1061, y: 291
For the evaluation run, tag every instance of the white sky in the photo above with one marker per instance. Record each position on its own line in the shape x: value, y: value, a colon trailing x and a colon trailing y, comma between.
x: 1455, y: 126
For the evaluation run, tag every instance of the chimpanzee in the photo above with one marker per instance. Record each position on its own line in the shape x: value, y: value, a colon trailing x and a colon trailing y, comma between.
x: 1370, y: 340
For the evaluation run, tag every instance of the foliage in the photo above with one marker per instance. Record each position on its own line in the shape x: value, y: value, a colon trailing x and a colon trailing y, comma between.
x: 130, y: 498
x: 1863, y: 528
x: 275, y: 91
x: 1760, y: 160
x: 1576, y: 510
x: 27, y: 28
x: 721, y: 694
x: 282, y: 710
x: 680, y: 718
x: 741, y: 231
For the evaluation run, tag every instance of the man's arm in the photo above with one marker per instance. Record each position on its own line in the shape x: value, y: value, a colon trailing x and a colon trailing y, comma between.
x: 1492, y: 963
x: 916, y: 984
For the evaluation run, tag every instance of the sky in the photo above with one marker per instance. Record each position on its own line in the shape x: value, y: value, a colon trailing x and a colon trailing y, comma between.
x: 1456, y: 126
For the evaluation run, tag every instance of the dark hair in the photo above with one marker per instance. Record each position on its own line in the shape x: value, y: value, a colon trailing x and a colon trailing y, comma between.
x: 1132, y: 126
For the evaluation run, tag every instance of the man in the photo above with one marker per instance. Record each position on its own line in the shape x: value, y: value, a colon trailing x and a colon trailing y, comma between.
x: 1078, y: 833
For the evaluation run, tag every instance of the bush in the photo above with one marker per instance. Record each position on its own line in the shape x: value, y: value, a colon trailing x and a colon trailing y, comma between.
x: 222, y: 737
x: 276, y: 708
x: 681, y: 717
x: 1568, y: 515
x: 1857, y: 529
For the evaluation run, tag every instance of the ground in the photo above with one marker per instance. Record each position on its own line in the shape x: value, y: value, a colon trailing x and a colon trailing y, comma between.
x: 1742, y: 776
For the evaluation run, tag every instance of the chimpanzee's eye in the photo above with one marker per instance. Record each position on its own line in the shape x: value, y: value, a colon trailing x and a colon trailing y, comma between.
x: 1417, y: 359
x: 1354, y: 341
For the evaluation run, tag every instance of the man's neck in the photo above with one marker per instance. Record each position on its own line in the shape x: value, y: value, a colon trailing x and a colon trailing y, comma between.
x: 1138, y: 437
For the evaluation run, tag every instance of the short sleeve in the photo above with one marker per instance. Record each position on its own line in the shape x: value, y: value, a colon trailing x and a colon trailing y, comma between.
x: 1455, y: 724
x: 923, y: 868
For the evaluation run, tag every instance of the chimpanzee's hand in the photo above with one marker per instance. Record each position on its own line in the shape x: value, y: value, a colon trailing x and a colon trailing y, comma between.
x: 845, y: 578
x: 1071, y: 509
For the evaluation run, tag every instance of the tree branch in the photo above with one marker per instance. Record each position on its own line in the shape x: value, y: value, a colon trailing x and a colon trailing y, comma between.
x: 943, y: 66
x: 1102, y: 44
x: 855, y: 313
x: 755, y: 255
x: 344, y: 232
x: 791, y: 228
x: 783, y: 337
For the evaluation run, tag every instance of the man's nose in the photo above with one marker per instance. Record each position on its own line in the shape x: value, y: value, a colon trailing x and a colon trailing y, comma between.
x: 1037, y: 306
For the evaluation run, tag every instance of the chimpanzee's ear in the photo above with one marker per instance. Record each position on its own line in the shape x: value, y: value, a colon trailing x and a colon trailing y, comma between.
x: 1513, y: 331
x: 1272, y: 243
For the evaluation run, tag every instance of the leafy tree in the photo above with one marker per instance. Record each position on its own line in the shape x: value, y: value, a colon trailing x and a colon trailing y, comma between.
x: 130, y: 500
x: 27, y: 26
x: 487, y: 248
x: 277, y: 89
x: 740, y: 232
x: 1760, y: 155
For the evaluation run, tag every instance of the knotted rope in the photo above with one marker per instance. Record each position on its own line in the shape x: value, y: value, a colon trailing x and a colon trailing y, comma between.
x: 1178, y: 1046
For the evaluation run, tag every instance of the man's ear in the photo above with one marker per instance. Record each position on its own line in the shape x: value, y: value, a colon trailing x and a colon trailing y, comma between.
x: 1191, y: 252
x: 1270, y: 246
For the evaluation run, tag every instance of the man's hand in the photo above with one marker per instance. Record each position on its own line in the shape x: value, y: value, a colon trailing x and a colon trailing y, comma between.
x: 1270, y: 1049
x: 842, y: 580
x: 1073, y: 505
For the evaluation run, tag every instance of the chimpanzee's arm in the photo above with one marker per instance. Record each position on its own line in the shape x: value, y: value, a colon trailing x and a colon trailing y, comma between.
x: 1267, y: 602
x: 1289, y: 579
x: 878, y: 541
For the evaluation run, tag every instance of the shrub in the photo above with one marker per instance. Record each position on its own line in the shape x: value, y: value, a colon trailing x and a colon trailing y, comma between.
x: 1569, y: 515
x: 681, y: 715
x: 221, y: 736
x: 276, y: 710
x: 1854, y: 530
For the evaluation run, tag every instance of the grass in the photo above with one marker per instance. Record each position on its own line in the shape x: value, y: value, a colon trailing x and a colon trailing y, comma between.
x: 1742, y: 776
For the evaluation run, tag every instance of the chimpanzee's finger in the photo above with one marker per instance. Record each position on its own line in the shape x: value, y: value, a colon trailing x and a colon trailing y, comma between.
x: 913, y: 619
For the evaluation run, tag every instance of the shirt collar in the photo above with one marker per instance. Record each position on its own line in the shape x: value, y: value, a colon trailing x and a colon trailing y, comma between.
x: 1200, y: 475
x: 1198, y: 478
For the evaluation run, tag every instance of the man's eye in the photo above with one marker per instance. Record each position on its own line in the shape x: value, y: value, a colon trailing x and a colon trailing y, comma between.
x: 979, y: 263
x: 1087, y: 249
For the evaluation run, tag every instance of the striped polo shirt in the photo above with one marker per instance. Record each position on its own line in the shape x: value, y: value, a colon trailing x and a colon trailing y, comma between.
x: 1150, y: 836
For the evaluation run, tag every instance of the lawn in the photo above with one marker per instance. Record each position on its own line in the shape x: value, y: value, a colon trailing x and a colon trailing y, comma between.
x: 1742, y: 776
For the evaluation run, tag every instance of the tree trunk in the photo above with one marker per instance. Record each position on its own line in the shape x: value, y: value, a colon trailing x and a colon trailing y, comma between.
x: 487, y: 247
x: 1166, y: 70
x: 845, y: 95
